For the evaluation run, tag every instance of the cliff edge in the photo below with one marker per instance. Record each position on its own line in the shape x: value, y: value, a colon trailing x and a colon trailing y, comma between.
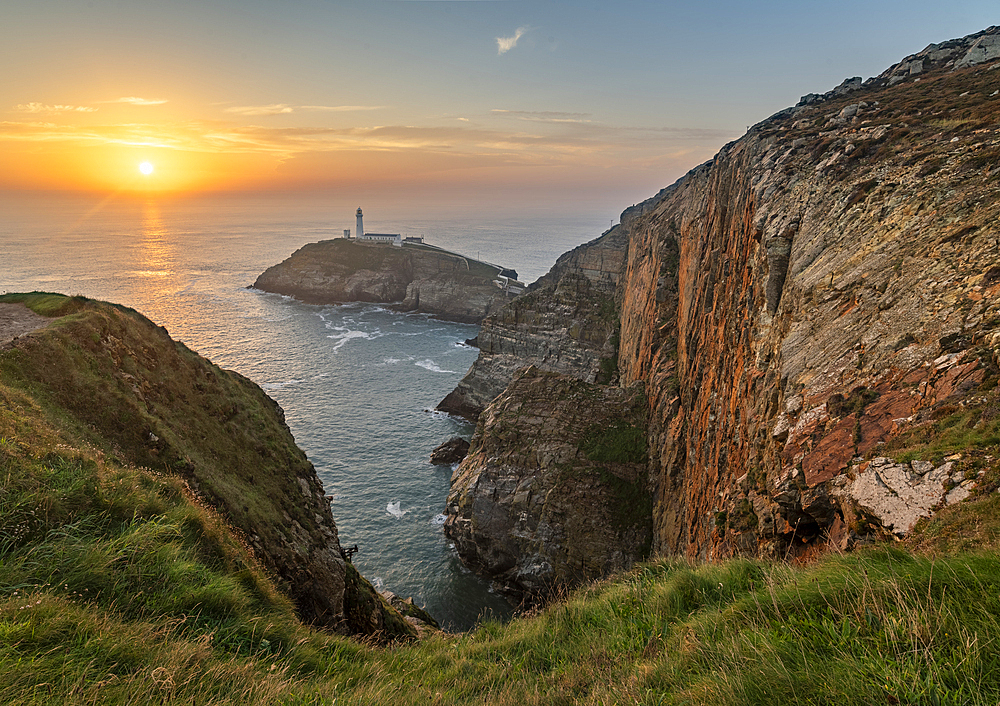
x: 116, y: 389
x: 814, y: 315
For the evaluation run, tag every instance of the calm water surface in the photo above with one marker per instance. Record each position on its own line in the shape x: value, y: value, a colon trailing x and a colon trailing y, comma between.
x: 357, y: 382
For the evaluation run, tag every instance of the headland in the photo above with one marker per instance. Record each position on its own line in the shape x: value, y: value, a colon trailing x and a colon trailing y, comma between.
x: 409, y: 276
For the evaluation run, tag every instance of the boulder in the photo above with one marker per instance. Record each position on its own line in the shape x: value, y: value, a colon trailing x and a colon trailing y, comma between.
x: 451, y: 451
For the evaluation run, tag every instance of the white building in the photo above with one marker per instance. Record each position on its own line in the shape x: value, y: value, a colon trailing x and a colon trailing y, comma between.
x: 394, y: 238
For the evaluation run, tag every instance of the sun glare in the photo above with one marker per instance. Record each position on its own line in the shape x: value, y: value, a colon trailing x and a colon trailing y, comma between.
x: 146, y: 168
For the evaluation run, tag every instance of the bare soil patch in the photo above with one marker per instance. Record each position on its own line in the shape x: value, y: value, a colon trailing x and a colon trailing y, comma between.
x: 17, y: 320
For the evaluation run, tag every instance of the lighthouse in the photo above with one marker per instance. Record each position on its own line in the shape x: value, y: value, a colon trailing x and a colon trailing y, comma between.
x: 361, y: 228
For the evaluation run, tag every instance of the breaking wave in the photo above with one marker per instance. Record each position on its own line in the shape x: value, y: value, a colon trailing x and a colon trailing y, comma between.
x: 432, y: 366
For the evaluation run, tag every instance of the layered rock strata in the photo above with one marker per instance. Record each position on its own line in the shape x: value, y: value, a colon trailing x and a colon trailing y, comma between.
x: 412, y: 278
x: 567, y: 322
x: 553, y: 490
x: 829, y: 288
x: 821, y: 298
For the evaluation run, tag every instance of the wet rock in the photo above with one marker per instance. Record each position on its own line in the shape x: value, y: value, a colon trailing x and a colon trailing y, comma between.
x: 451, y: 451
x: 414, y: 614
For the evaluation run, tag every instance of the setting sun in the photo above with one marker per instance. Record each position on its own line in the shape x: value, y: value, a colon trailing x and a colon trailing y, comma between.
x: 146, y: 168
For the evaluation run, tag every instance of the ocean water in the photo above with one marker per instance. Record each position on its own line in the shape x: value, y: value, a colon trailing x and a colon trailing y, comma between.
x: 358, y: 383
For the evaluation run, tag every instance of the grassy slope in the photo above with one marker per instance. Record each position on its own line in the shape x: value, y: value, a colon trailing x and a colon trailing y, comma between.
x: 117, y: 587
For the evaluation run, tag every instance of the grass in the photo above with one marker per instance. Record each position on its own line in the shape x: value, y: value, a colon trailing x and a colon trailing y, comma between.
x: 104, y: 380
x: 882, y: 626
x: 963, y: 431
x: 111, y: 609
x: 118, y: 586
x: 618, y: 442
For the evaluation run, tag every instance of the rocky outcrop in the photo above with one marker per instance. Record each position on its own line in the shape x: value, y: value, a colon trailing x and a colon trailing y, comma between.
x: 126, y: 387
x: 567, y: 322
x: 819, y: 299
x: 413, y: 278
x: 553, y: 491
x: 451, y: 451
x: 899, y: 494
x: 828, y: 292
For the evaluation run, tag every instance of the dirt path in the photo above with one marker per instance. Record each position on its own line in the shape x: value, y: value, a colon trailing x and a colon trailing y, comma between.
x: 17, y: 320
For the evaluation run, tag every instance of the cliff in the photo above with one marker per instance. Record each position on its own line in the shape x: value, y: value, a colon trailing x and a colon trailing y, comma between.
x: 414, y: 277
x: 103, y: 384
x: 553, y: 489
x: 566, y: 322
x: 814, y: 314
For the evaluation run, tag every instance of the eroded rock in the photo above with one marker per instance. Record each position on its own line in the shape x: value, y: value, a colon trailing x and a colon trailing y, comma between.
x: 451, y: 451
x: 899, y: 494
x: 553, y: 491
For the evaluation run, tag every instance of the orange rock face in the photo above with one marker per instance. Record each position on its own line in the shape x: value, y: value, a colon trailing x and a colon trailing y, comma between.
x: 806, y: 298
x: 815, y: 316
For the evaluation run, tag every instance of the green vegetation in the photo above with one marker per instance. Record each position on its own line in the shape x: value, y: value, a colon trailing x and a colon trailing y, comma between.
x: 618, y: 442
x: 856, y: 401
x: 108, y: 609
x: 46, y: 304
x: 119, y: 586
x: 113, y: 388
x: 960, y: 431
x: 633, y: 506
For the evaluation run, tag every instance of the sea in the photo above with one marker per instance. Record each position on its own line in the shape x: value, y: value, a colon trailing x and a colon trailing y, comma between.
x: 358, y: 382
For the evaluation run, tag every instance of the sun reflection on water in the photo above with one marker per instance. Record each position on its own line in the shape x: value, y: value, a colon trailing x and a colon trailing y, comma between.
x: 156, y: 250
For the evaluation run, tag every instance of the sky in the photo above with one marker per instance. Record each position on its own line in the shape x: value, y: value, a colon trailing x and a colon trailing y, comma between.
x: 467, y: 99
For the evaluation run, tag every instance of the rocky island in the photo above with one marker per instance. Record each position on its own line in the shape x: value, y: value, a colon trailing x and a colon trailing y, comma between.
x: 414, y: 277
x: 813, y: 318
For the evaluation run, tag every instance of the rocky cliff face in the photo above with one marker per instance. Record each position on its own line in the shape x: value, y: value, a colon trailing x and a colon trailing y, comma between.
x: 567, y: 322
x: 553, y: 490
x: 815, y: 315
x: 830, y: 292
x: 413, y: 278
x: 119, y: 383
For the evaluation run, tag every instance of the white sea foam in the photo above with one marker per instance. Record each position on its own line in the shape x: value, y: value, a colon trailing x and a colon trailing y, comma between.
x: 348, y: 335
x: 268, y: 386
x: 438, y: 519
x: 393, y: 509
x: 432, y: 366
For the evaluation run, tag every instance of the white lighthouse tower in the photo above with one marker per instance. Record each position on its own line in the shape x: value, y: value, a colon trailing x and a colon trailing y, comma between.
x: 361, y: 228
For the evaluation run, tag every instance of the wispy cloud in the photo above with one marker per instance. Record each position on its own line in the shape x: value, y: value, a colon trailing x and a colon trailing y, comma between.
x: 505, y: 44
x: 252, y: 110
x: 284, y: 108
x: 548, y: 139
x: 341, y: 108
x: 52, y: 109
x: 136, y: 100
x: 544, y: 116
